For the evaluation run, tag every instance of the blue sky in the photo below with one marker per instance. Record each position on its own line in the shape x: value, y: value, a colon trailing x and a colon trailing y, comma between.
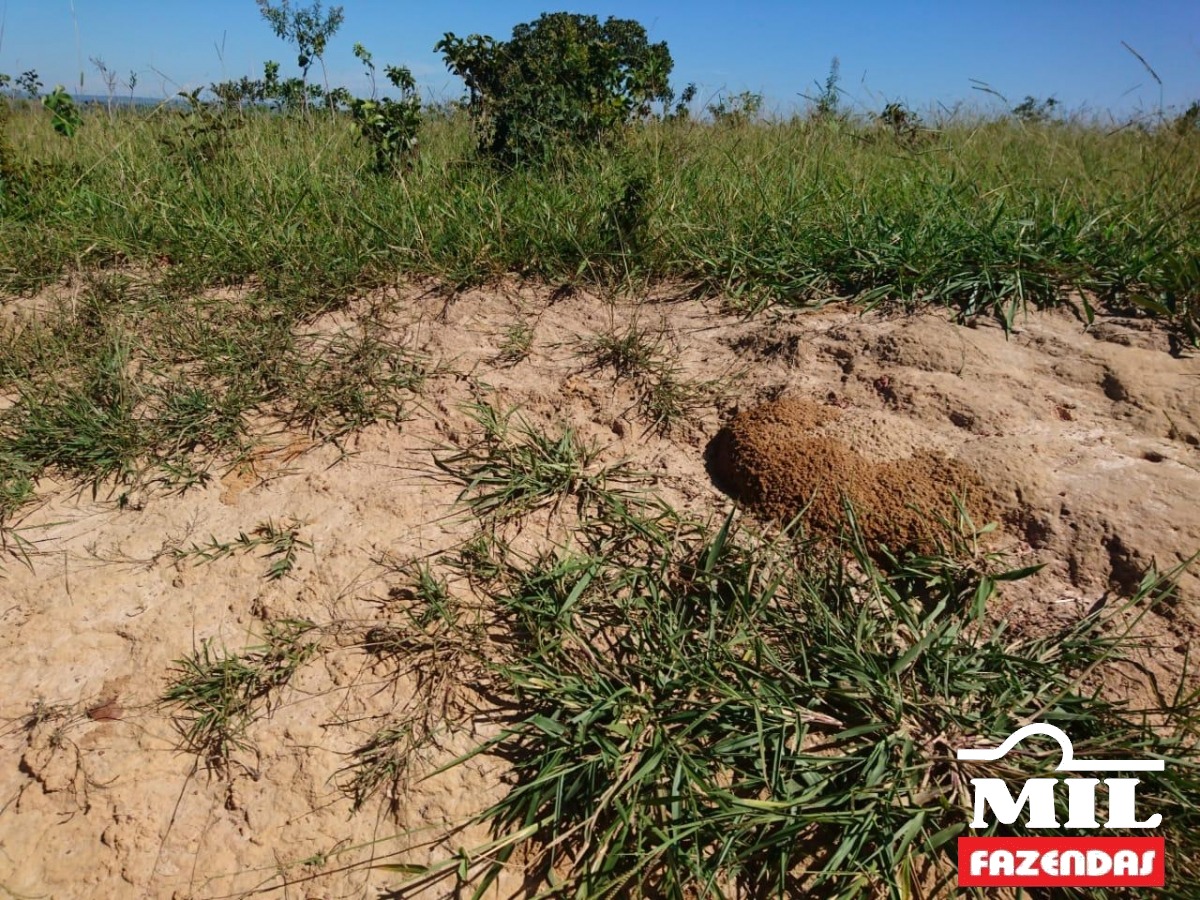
x: 922, y: 53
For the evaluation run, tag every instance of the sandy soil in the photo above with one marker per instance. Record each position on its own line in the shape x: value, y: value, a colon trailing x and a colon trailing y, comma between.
x: 1090, y: 437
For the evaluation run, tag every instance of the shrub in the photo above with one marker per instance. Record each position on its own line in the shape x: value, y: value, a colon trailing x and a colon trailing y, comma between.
x: 203, y: 133
x: 1188, y: 122
x: 30, y: 83
x: 904, y: 124
x: 65, y: 118
x: 738, y: 110
x: 389, y: 126
x: 1031, y: 109
x: 565, y: 79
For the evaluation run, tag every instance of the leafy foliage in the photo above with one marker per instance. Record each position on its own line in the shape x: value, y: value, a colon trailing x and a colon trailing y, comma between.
x: 290, y: 95
x: 738, y: 110
x: 565, y: 79
x: 389, y: 126
x: 681, y: 112
x: 204, y: 132
x: 65, y: 119
x: 30, y: 83
x: 236, y: 94
x: 1031, y: 109
x: 308, y: 27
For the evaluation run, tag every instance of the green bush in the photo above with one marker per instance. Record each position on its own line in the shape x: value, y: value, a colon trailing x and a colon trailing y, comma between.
x: 389, y: 126
x: 1031, y: 109
x: 565, y: 79
x: 1188, y: 122
x: 736, y: 111
x: 66, y: 118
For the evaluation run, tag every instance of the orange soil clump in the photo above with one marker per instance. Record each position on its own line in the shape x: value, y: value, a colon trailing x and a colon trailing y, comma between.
x: 769, y: 458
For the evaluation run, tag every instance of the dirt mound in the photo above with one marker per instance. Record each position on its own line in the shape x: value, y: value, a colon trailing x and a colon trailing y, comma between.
x: 769, y: 458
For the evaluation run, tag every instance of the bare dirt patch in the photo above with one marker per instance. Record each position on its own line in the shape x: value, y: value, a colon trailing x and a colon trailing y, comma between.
x: 1087, y: 438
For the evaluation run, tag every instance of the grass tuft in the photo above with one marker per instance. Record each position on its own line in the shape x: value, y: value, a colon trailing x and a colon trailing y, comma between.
x: 514, y: 468
x: 666, y: 399
x: 517, y: 343
x: 709, y: 713
x: 218, y: 695
x: 635, y: 353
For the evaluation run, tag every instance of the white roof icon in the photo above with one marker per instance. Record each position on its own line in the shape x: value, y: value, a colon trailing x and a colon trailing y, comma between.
x: 1069, y: 762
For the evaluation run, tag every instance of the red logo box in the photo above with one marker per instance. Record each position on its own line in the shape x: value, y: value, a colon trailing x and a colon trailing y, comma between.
x: 1060, y: 862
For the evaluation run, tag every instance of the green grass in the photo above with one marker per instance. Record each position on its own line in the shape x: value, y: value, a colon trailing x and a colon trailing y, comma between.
x: 281, y: 545
x: 983, y: 215
x: 515, y: 468
x: 217, y: 695
x: 710, y: 712
x: 384, y: 762
x: 429, y: 633
x: 517, y: 343
x: 665, y: 396
x: 692, y: 710
x: 634, y: 353
x: 134, y: 380
x: 668, y: 400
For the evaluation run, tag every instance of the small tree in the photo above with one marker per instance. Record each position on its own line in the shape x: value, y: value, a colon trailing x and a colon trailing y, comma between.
x: 1033, y: 110
x: 234, y: 95
x: 309, y: 28
x: 682, y: 110
x: 736, y: 111
x: 1188, y: 122
x: 65, y: 117
x: 389, y: 126
x: 565, y: 79
x: 288, y: 94
x: 30, y: 83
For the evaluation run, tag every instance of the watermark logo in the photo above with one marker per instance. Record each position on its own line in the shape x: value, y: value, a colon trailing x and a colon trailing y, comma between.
x: 1100, y: 861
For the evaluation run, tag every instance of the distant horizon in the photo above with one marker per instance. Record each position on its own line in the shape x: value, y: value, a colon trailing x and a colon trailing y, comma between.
x: 925, y: 55
x: 699, y: 110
